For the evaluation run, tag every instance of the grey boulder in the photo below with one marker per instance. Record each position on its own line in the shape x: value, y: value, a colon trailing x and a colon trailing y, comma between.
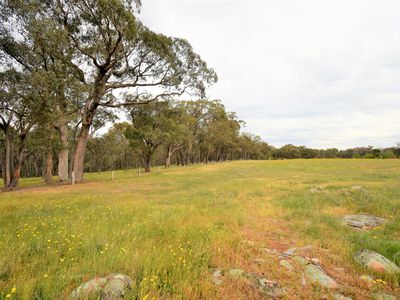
x: 111, y: 287
x: 376, y: 262
x: 363, y: 221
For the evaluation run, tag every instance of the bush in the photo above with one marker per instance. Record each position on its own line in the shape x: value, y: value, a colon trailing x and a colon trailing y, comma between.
x: 369, y: 155
x: 388, y: 154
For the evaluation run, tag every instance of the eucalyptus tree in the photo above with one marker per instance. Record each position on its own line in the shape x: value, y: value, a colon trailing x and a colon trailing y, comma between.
x: 124, y: 62
x: 35, y: 46
x: 222, y: 133
x: 197, y: 114
x: 150, y: 128
x: 24, y: 103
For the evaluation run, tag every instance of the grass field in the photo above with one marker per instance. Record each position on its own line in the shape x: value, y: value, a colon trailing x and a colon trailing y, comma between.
x: 170, y: 229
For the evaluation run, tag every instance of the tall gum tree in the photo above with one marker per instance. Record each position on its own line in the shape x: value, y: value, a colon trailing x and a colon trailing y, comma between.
x: 35, y: 46
x: 124, y: 62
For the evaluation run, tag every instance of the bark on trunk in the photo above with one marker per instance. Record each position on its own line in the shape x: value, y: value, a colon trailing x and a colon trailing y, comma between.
x: 147, y: 163
x: 87, y: 120
x: 63, y: 155
x: 169, y: 154
x: 3, y: 170
x: 48, y: 176
x: 182, y: 158
x: 79, y: 157
x: 20, y: 160
x: 168, y: 162
x: 8, y: 160
x: 49, y: 165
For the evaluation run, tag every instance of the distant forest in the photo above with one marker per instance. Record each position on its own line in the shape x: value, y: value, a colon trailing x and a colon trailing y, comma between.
x: 169, y: 133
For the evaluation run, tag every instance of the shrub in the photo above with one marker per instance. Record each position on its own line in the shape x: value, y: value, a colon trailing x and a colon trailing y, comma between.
x: 388, y: 154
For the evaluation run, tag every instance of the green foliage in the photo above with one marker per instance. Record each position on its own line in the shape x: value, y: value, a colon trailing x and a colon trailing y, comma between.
x: 388, y: 154
x: 77, y: 53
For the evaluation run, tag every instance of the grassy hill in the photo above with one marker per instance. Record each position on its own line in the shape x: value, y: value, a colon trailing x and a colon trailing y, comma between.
x: 170, y: 229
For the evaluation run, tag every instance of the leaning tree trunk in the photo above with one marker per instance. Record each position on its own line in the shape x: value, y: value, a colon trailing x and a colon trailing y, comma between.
x: 87, y: 120
x: 63, y: 155
x: 80, y: 150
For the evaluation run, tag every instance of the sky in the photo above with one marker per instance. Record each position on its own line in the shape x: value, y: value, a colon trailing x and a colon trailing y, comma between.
x: 306, y: 72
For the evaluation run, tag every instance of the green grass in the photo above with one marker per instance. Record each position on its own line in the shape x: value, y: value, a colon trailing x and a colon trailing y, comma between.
x: 169, y: 229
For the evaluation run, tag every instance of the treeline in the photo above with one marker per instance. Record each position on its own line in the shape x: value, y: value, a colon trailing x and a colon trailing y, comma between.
x: 158, y: 133
x: 162, y: 133
x: 292, y: 152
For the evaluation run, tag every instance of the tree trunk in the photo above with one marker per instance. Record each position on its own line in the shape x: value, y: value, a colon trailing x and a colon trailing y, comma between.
x: 87, y: 120
x: 49, y: 164
x: 147, y: 163
x: 79, y: 157
x: 3, y: 170
x: 182, y: 158
x: 168, y: 160
x: 63, y: 155
x: 20, y: 160
x: 71, y: 163
x: 8, y: 159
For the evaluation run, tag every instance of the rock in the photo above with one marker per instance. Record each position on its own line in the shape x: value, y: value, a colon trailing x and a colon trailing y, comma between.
x: 296, y: 250
x: 376, y: 262
x: 356, y: 188
x: 340, y: 297
x: 286, y: 264
x: 289, y: 252
x: 317, y: 275
x: 383, y: 296
x: 316, y: 189
x: 266, y: 287
x: 363, y: 221
x: 237, y: 273
x: 111, y: 287
x: 217, y: 277
x: 301, y: 260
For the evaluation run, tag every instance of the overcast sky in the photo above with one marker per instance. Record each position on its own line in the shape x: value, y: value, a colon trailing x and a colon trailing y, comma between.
x: 307, y: 72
